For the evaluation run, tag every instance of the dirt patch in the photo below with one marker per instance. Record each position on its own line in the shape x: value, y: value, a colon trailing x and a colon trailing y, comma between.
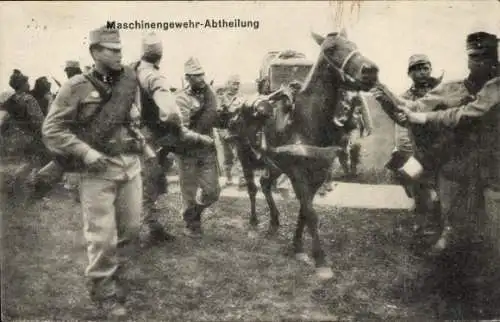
x: 228, y: 276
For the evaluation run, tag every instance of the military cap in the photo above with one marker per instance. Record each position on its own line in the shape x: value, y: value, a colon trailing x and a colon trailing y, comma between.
x: 106, y: 37
x: 193, y: 67
x: 418, y: 59
x: 151, y: 44
x: 72, y: 64
x: 481, y: 42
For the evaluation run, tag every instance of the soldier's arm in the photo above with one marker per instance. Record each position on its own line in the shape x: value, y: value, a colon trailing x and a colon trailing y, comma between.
x: 448, y: 94
x: 158, y: 88
x: 187, y: 135
x: 56, y: 132
x: 429, y: 102
x: 365, y: 114
x: 488, y: 97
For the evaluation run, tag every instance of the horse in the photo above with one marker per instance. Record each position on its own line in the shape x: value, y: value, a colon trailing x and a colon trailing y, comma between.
x: 304, y: 148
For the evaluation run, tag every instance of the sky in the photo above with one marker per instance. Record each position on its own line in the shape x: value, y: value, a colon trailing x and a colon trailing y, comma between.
x: 38, y: 37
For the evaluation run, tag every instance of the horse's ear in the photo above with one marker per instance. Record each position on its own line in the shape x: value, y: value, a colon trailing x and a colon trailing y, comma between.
x: 343, y: 33
x: 319, y: 39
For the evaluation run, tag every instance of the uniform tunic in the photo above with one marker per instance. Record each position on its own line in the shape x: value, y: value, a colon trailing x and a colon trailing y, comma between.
x: 111, y: 200
x: 157, y: 105
x: 486, y: 106
x: 231, y: 103
x: 458, y: 157
x: 199, y: 176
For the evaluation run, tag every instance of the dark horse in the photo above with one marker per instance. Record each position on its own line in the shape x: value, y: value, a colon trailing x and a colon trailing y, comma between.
x: 303, y: 149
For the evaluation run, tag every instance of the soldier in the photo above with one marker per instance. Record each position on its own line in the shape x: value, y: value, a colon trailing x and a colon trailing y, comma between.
x: 89, y: 126
x: 199, y: 177
x: 484, y: 66
x: 358, y: 109
x: 72, y: 68
x: 23, y: 141
x: 41, y: 92
x: 230, y: 102
x: 457, y: 154
x: 159, y: 112
x: 408, y: 139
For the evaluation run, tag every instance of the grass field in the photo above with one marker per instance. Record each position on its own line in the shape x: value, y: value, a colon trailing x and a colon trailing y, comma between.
x: 230, y: 276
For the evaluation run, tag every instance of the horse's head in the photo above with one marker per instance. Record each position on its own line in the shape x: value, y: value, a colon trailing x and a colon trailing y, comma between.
x: 356, y: 71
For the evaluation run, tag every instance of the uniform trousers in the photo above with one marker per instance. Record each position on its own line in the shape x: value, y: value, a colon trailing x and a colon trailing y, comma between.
x: 199, y: 180
x: 111, y: 217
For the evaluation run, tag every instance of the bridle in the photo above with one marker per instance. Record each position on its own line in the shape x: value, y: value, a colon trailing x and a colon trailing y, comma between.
x: 346, y: 78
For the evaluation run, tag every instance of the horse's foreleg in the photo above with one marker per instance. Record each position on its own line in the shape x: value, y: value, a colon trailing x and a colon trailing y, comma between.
x: 248, y: 173
x: 298, y: 246
x: 305, y: 189
x: 266, y: 183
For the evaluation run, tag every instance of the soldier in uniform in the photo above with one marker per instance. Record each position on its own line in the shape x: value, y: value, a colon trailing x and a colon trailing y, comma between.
x: 21, y: 132
x: 90, y: 123
x: 482, y: 49
x: 199, y: 177
x: 460, y: 153
x: 410, y: 138
x: 359, y: 113
x: 41, y: 92
x: 230, y: 102
x: 353, y: 111
x: 72, y: 68
x: 160, y: 115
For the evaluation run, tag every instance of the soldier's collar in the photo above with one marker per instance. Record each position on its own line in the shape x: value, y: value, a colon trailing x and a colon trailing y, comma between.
x: 111, y: 78
x: 146, y: 63
x: 196, y: 91
x: 424, y: 86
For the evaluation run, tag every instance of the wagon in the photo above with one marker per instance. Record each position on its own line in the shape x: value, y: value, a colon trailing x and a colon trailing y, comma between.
x: 280, y: 68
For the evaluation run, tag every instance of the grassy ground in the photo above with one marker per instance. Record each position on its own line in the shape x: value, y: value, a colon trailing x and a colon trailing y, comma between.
x: 229, y: 276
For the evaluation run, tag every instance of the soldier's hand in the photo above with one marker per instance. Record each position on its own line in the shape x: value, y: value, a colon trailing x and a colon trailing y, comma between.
x: 98, y: 165
x: 401, y: 117
x: 206, y: 140
x: 378, y: 93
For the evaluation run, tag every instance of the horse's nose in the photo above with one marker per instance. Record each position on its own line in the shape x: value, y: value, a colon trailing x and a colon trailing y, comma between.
x: 369, y: 74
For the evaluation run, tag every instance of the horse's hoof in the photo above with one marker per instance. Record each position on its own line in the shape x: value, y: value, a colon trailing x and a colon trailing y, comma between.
x: 254, y: 223
x: 304, y: 258
x: 438, y: 247
x: 324, y: 273
x: 443, y: 242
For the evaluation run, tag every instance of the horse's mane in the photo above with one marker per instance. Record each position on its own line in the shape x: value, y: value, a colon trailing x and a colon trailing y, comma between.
x: 313, y: 72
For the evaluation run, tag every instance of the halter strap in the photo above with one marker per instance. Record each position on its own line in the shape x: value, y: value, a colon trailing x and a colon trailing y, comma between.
x: 346, y: 60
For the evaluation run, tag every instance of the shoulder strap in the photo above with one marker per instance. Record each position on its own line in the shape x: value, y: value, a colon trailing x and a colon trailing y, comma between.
x: 114, y: 107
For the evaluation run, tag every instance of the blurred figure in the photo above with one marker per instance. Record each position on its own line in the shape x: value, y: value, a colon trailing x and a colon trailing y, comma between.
x: 198, y: 173
x: 71, y: 180
x: 409, y: 141
x: 230, y: 102
x: 72, y: 68
x: 41, y: 92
